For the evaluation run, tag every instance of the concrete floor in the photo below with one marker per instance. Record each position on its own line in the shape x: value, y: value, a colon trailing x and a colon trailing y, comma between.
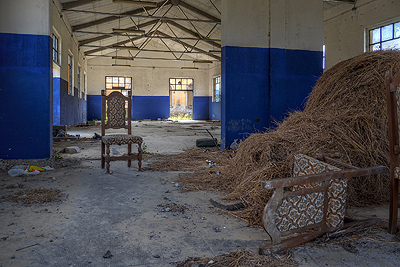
x: 122, y: 213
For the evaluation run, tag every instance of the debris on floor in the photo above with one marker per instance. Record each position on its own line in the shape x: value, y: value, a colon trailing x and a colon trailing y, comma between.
x: 345, y: 113
x: 20, y: 170
x: 35, y: 196
x: 239, y: 259
x: 72, y: 150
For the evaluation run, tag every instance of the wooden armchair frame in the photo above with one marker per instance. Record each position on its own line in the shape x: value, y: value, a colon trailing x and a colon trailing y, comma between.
x: 326, y: 191
x: 392, y: 85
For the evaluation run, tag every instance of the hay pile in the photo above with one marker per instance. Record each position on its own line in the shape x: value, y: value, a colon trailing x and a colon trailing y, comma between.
x: 345, y: 113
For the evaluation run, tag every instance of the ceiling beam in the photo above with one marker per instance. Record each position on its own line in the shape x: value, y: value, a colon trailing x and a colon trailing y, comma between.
x: 147, y: 50
x: 194, y: 33
x: 87, y: 53
x: 140, y: 16
x: 105, y: 36
x: 342, y: 1
x: 77, y: 3
x: 198, y: 11
x: 191, y: 46
x: 112, y: 18
x: 157, y: 37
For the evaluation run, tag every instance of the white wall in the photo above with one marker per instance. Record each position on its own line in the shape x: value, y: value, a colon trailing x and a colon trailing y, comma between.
x: 16, y: 14
x: 345, y: 27
x: 149, y: 77
x: 61, y: 26
x: 273, y: 24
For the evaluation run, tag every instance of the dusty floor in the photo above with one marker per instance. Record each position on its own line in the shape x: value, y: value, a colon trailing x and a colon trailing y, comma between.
x: 146, y: 218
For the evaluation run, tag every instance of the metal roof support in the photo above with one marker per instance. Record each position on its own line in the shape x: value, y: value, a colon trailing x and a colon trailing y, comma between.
x: 111, y: 18
x: 105, y: 36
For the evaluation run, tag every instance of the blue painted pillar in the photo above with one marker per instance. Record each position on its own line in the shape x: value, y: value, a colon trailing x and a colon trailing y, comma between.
x: 271, y: 59
x: 26, y: 79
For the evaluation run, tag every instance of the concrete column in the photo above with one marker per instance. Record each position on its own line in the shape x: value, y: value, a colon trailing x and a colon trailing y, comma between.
x: 26, y: 79
x: 271, y: 59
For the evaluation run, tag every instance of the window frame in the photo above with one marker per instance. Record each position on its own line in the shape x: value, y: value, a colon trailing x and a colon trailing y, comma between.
x: 116, y: 88
x: 56, y: 48
x: 78, y: 74
x: 370, y: 44
x: 71, y: 87
x: 214, y: 83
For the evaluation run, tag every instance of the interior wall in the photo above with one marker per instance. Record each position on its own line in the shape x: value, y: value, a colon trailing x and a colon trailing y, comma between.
x: 150, y: 86
x: 345, y: 27
x: 68, y: 109
x: 271, y: 59
x: 26, y: 85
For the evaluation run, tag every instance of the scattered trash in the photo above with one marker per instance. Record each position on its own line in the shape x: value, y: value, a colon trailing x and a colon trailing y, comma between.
x: 235, y: 144
x: 114, y: 151
x: 206, y: 150
x: 19, y: 170
x: 107, y: 255
x: 96, y: 136
x: 72, y: 150
x: 216, y: 229
x: 176, y: 185
x: 211, y: 262
x: 211, y: 163
x: 27, y: 247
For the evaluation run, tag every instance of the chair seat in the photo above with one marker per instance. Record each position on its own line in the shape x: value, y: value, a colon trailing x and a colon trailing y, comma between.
x: 121, y: 139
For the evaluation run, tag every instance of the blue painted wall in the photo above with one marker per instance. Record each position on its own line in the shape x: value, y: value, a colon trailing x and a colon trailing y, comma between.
x: 215, y: 110
x: 93, y: 107
x: 244, y: 92
x: 72, y: 108
x: 293, y: 75
x: 150, y: 107
x: 25, y: 96
x: 201, y: 108
x: 260, y: 85
x: 56, y: 101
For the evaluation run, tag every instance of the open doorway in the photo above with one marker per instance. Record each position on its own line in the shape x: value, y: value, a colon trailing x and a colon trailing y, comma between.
x: 181, y: 98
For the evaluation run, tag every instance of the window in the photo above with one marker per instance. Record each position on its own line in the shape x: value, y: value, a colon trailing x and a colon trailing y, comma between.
x: 78, y: 73
x: 70, y: 74
x: 56, y: 49
x: 385, y: 37
x: 84, y: 86
x: 118, y: 83
x: 217, y: 89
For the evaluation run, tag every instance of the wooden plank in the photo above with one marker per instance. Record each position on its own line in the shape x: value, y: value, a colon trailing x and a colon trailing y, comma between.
x: 393, y: 143
x: 301, y: 239
x: 313, y: 178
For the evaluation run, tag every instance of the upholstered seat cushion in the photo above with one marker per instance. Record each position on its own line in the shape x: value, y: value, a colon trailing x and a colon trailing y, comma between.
x: 121, y: 139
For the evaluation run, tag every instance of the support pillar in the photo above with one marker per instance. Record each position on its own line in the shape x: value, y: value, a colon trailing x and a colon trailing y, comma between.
x: 26, y: 79
x: 271, y: 59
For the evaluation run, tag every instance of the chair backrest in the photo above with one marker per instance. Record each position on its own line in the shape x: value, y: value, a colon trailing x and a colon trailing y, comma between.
x: 113, y: 111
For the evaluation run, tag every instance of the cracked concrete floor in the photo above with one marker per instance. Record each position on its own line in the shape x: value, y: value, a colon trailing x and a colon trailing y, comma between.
x: 125, y: 213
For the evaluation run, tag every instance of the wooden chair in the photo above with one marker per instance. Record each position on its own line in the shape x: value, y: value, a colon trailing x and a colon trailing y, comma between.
x: 114, y: 115
x: 392, y: 85
x: 310, y: 204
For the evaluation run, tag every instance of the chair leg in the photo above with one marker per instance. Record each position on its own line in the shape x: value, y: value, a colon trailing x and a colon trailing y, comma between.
x: 108, y: 159
x: 129, y: 153
x: 140, y: 156
x: 102, y: 155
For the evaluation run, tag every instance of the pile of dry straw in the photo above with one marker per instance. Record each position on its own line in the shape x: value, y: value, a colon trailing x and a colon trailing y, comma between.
x: 345, y: 113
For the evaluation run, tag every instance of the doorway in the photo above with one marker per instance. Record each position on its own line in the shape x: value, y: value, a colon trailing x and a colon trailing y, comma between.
x: 181, y: 98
